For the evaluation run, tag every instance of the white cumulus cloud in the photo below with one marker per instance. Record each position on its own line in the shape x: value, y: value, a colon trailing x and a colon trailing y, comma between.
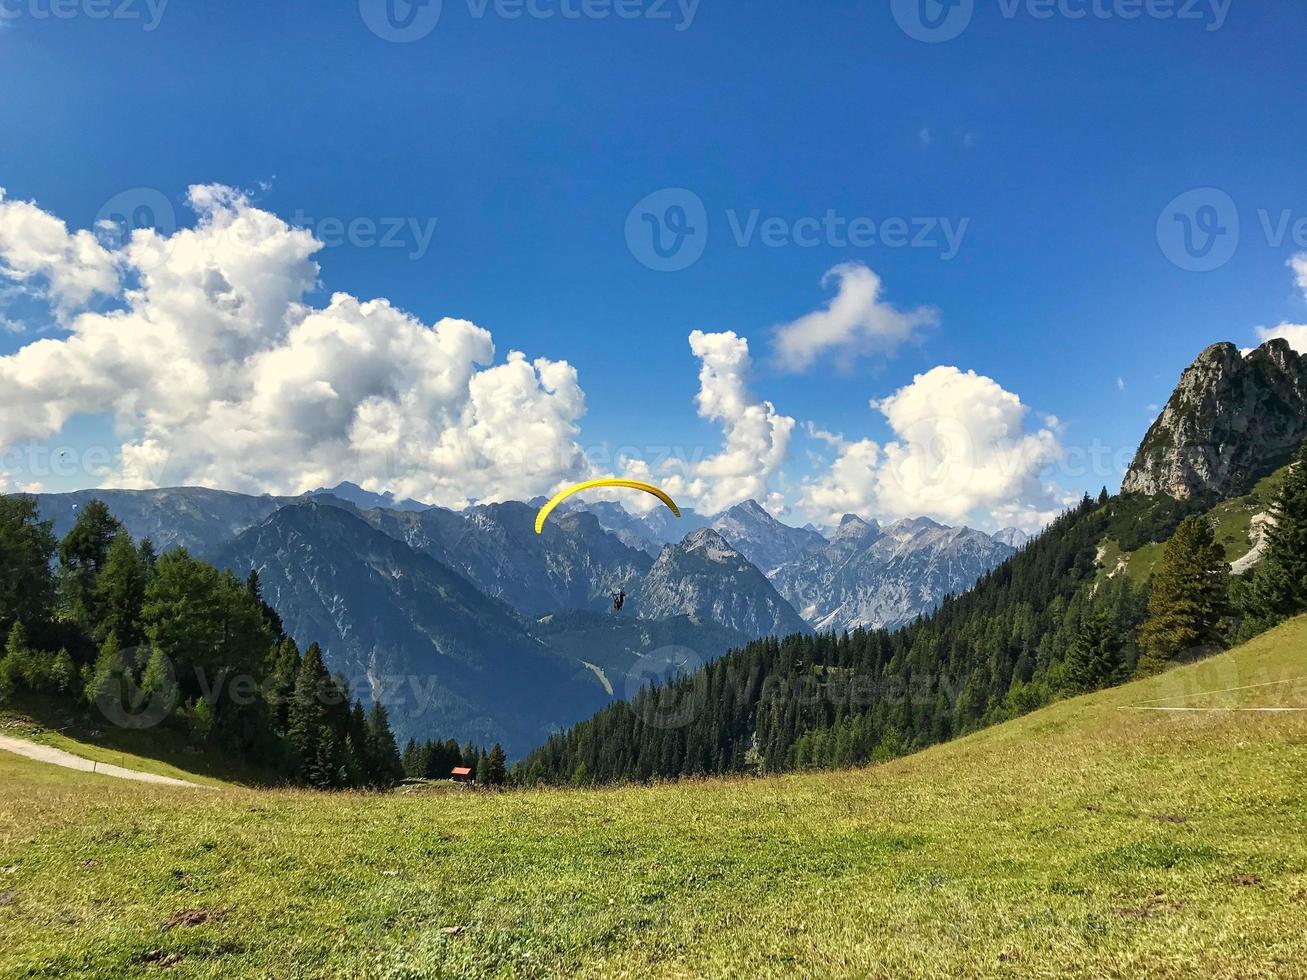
x: 755, y: 436
x: 963, y: 451
x: 218, y: 372
x: 856, y: 322
x: 37, y: 251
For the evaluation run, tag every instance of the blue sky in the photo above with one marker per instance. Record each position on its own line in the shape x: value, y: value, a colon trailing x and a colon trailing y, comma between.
x: 1055, y: 142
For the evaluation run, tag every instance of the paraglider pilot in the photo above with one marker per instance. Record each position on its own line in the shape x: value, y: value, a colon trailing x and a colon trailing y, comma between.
x: 619, y: 600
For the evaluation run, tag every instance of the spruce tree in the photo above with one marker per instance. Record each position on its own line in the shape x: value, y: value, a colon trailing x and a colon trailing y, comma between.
x: 1095, y: 657
x: 27, y: 545
x: 1189, y: 597
x: 496, y: 766
x: 1278, y: 588
x: 387, y: 769
x: 120, y: 592
x: 306, y: 712
x: 82, y: 554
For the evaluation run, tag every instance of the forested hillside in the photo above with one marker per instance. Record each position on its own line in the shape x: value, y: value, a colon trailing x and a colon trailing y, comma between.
x: 97, y: 623
x: 1037, y: 628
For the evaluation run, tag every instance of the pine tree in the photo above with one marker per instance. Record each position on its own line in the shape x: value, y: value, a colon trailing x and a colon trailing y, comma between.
x: 1095, y: 657
x: 120, y: 592
x: 27, y: 545
x: 483, y: 771
x: 82, y: 554
x: 496, y: 766
x: 387, y: 769
x: 1278, y: 588
x: 306, y: 712
x: 1189, y: 597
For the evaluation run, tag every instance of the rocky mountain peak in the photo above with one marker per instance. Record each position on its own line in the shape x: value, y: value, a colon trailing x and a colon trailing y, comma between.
x: 1232, y: 419
x: 1013, y: 537
x: 706, y: 579
x: 853, y: 528
x: 761, y: 538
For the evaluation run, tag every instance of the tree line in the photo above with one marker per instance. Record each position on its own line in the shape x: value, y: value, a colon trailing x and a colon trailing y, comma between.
x: 1042, y: 626
x: 434, y: 759
x: 100, y: 623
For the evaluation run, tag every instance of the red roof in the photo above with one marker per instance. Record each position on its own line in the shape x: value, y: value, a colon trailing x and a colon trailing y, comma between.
x: 461, y: 771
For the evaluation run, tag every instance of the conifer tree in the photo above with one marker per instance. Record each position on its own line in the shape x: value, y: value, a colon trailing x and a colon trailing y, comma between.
x: 306, y: 713
x: 386, y: 767
x: 1189, y: 596
x: 82, y: 554
x: 1095, y: 658
x: 1278, y: 588
x: 120, y: 592
x: 496, y: 766
x: 27, y: 545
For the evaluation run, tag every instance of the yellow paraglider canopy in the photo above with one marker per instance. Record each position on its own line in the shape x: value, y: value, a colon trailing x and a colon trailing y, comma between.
x: 548, y: 508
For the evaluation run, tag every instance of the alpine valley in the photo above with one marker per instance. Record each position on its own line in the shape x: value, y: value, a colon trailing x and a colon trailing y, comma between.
x: 469, y: 625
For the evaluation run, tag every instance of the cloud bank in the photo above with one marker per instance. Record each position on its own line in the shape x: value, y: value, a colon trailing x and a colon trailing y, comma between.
x: 204, y: 349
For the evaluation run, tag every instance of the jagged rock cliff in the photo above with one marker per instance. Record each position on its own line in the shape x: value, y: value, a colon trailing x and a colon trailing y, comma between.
x: 706, y: 579
x: 1231, y: 420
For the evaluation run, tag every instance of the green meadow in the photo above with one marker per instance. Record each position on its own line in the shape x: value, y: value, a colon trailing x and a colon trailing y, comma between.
x: 1096, y: 837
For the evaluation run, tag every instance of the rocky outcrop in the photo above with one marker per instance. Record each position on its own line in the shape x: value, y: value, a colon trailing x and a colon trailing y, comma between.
x: 1233, y: 419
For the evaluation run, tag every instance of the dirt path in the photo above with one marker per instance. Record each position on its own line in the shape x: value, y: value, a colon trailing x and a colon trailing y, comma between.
x: 58, y: 757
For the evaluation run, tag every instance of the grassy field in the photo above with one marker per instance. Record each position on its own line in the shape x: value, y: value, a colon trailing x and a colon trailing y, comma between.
x: 1096, y: 837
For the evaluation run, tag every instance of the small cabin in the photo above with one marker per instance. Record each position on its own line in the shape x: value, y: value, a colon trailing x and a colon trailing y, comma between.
x: 461, y: 774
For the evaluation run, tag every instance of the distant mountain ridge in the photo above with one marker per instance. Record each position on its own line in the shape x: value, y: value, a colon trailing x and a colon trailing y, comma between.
x: 874, y: 577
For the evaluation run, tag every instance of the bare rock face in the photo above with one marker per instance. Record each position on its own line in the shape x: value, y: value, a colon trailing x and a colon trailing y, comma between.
x: 1232, y: 420
x: 706, y: 579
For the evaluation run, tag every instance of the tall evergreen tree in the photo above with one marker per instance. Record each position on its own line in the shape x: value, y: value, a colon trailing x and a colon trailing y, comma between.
x: 386, y: 768
x: 496, y: 766
x: 120, y: 592
x: 82, y: 554
x: 307, y: 712
x: 1096, y: 656
x: 27, y: 545
x: 1189, y: 596
x: 1278, y: 588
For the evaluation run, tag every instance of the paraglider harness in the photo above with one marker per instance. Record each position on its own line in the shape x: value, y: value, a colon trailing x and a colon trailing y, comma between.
x: 619, y: 600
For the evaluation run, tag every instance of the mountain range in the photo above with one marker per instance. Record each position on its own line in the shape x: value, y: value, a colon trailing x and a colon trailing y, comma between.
x: 469, y: 624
